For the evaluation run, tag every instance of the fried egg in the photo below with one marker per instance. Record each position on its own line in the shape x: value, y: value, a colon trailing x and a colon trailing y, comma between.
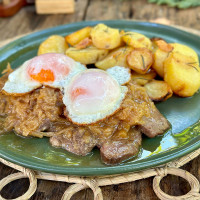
x: 51, y: 69
x: 92, y: 95
x: 121, y: 74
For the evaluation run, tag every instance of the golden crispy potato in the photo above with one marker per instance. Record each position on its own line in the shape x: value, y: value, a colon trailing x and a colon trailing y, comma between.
x: 140, y: 60
x: 182, y: 73
x: 89, y: 55
x: 164, y: 46
x: 161, y: 44
x: 122, y: 43
x: 84, y: 43
x: 159, y: 58
x: 53, y: 44
x: 122, y: 32
x: 185, y: 50
x: 158, y: 90
x: 104, y: 37
x: 154, y: 46
x: 137, y: 40
x: 142, y: 79
x: 76, y: 37
x: 161, y: 51
x: 116, y: 57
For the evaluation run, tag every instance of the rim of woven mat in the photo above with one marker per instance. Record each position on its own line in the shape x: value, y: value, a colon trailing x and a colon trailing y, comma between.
x: 95, y: 182
x: 80, y: 182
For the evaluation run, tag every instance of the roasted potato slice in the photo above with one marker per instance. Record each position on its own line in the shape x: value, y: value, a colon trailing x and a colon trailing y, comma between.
x: 76, y: 37
x: 161, y: 51
x: 158, y: 90
x: 142, y: 79
x: 84, y: 43
x: 158, y: 64
x: 122, y: 32
x: 162, y: 44
x: 104, y: 37
x: 53, y: 44
x: 182, y: 73
x: 122, y: 43
x: 137, y: 40
x: 116, y: 57
x: 89, y: 55
x: 140, y: 60
x: 185, y: 50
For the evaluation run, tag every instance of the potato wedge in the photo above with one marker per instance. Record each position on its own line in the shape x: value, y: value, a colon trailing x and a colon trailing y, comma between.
x: 116, y: 57
x: 76, y: 37
x: 142, y: 79
x: 182, y: 73
x: 158, y: 90
x: 86, y: 56
x: 104, y: 37
x: 140, y: 60
x: 53, y: 44
x: 137, y: 40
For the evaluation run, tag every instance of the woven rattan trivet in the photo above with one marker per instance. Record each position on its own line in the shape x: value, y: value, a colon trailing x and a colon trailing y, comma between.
x: 94, y: 183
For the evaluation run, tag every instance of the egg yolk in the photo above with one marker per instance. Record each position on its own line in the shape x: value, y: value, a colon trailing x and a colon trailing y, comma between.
x: 45, y: 75
x: 78, y: 91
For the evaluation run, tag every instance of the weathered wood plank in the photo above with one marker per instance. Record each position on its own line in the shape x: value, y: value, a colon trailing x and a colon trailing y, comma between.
x: 142, y: 10
x: 108, y: 10
x: 145, y: 11
x: 26, y: 20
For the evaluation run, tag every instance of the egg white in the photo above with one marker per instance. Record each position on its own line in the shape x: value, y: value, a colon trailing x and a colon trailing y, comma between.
x: 121, y: 74
x: 19, y: 82
x: 106, y: 106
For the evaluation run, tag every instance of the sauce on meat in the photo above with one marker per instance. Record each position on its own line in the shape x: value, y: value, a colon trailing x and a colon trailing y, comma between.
x: 41, y: 111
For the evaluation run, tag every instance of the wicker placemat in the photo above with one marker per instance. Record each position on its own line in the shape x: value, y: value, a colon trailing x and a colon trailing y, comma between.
x: 94, y: 183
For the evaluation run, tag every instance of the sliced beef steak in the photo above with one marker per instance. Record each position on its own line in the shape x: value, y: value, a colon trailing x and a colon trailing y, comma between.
x: 154, y: 125
x: 114, y: 151
x: 78, y: 141
x: 40, y: 113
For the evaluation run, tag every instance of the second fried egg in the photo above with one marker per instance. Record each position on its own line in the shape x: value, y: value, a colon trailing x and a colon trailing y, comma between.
x: 92, y: 95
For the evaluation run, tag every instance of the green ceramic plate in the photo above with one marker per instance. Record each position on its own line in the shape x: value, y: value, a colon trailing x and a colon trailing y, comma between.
x: 183, y: 114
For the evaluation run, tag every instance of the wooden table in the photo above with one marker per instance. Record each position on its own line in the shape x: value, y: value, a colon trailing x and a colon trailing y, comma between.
x: 27, y: 21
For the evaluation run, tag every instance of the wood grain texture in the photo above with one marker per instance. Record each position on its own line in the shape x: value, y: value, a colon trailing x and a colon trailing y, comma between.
x: 27, y: 21
x: 188, y: 18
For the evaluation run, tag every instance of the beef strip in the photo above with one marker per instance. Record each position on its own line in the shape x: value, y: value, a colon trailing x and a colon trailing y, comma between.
x: 79, y: 141
x: 154, y: 125
x: 114, y: 151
